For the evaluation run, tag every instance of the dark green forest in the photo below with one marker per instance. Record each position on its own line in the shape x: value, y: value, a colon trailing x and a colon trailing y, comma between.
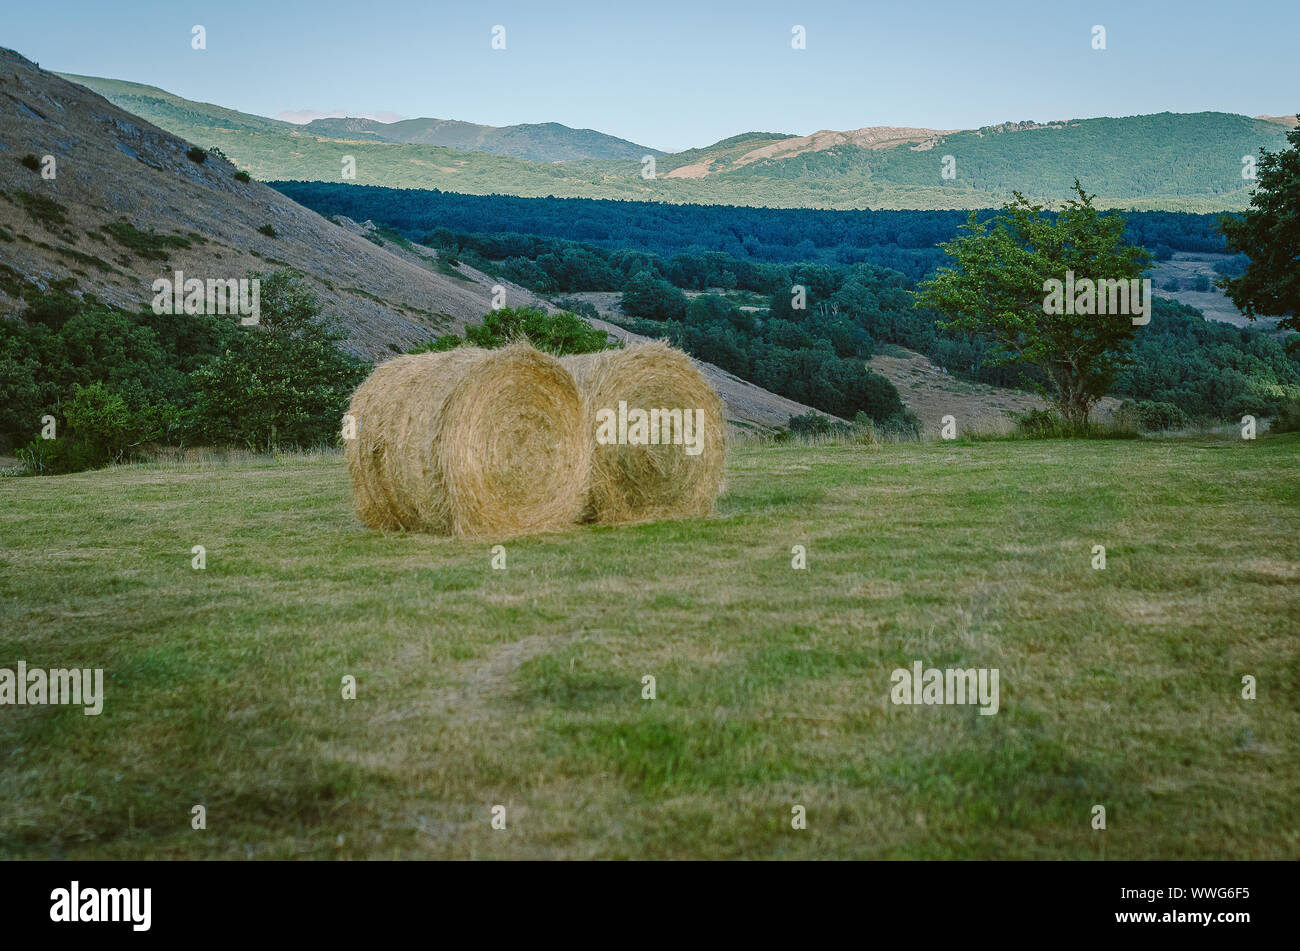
x: 905, y: 241
x: 1210, y: 370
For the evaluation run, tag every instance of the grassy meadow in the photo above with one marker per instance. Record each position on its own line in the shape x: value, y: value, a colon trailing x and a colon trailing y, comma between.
x: 522, y: 687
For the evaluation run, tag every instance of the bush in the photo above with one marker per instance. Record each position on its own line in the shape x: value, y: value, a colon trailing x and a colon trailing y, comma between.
x: 269, y: 231
x: 32, y: 162
x: 901, y: 425
x: 559, y: 333
x: 438, y: 345
x: 242, y: 176
x: 1287, y: 419
x: 40, y: 456
x: 583, y: 308
x: 1049, y: 424
x: 1151, y: 416
x: 818, y: 424
x: 196, y: 154
x: 1234, y: 266
x: 1042, y: 424
x: 100, y: 428
x: 146, y: 243
x: 61, y: 341
x: 100, y: 418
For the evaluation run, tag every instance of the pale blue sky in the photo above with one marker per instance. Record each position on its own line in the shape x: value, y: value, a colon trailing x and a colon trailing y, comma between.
x: 674, y: 75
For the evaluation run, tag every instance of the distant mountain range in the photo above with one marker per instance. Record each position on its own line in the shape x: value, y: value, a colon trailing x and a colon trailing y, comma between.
x: 1172, y: 161
x: 537, y: 142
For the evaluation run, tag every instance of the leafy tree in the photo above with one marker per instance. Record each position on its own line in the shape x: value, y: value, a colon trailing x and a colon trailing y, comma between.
x: 646, y: 295
x: 1269, y: 232
x: 284, y: 382
x: 997, y: 290
x: 105, y: 428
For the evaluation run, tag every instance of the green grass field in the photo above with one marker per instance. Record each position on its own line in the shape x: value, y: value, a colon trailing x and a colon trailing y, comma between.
x: 522, y: 687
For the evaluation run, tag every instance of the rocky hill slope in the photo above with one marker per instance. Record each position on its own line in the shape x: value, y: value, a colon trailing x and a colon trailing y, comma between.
x: 126, y: 204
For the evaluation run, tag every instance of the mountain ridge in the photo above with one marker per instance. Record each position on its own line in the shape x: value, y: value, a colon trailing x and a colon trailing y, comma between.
x: 535, y: 141
x: 1126, y: 161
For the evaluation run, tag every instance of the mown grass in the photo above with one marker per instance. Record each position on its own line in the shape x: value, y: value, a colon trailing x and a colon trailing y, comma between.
x: 523, y: 687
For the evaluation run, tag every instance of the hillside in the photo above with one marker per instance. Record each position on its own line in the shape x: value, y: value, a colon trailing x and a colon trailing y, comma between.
x: 1125, y: 161
x: 714, y: 160
x: 538, y: 142
x: 164, y: 109
x: 128, y: 207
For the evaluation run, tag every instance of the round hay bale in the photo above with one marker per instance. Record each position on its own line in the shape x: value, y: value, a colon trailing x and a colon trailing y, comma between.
x: 469, y: 442
x: 632, y: 481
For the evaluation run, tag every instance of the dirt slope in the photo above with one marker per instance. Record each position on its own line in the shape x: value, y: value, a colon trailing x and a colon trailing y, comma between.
x: 112, y: 167
x: 933, y: 393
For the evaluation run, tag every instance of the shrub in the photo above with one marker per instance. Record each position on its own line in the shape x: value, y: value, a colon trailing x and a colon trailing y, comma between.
x: 1048, y: 424
x: 1151, y: 416
x: 902, y: 425
x: 818, y: 424
x: 583, y: 308
x: 32, y: 162
x: 147, y: 244
x: 46, y: 211
x: 438, y: 344
x: 39, y: 456
x: 269, y: 231
x: 559, y: 333
x: 1234, y: 266
x: 1287, y: 419
x: 242, y: 176
x: 100, y: 418
x: 1041, y: 424
x: 100, y: 428
x: 196, y: 154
